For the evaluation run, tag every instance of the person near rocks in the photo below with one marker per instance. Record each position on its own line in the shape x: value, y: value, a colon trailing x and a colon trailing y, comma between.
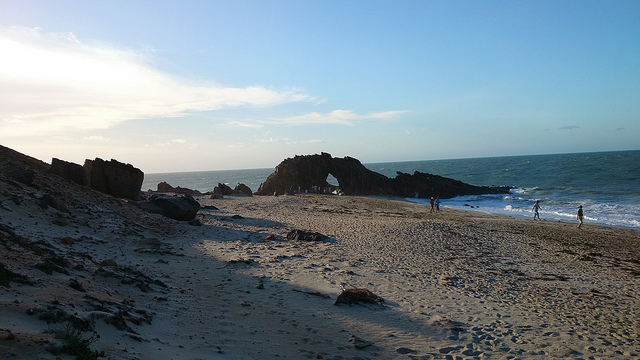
x: 580, y: 216
x: 437, y: 203
x: 431, y: 202
x: 536, y: 210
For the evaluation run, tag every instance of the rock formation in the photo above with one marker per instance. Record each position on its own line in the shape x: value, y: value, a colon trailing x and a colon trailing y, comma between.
x: 109, y: 177
x: 164, y: 187
x: 114, y: 178
x: 224, y: 189
x: 243, y: 189
x: 70, y: 171
x: 307, y: 172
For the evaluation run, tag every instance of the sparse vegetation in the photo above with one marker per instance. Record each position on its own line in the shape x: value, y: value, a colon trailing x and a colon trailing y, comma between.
x: 74, y: 342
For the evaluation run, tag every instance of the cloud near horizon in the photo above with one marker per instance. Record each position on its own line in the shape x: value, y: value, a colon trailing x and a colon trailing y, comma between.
x: 53, y: 82
x: 339, y: 117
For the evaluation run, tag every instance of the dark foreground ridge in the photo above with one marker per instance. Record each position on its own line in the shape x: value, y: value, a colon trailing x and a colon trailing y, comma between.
x: 305, y: 172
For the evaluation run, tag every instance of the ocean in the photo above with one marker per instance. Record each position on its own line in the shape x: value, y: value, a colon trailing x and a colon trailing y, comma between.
x: 606, y: 184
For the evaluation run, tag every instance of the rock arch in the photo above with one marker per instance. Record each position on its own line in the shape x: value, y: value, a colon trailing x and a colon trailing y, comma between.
x: 306, y: 171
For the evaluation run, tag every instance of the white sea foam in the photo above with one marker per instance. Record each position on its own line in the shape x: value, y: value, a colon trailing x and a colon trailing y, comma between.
x: 597, y: 213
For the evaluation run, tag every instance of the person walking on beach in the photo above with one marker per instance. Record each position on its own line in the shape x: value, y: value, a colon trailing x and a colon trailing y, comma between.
x: 431, y: 202
x: 536, y: 210
x: 580, y: 216
x: 437, y: 203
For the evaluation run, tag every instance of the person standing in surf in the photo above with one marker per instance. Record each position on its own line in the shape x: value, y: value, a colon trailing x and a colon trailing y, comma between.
x: 536, y: 210
x: 580, y: 216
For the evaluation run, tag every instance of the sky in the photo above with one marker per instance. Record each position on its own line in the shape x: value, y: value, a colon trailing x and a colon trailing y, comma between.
x: 212, y: 85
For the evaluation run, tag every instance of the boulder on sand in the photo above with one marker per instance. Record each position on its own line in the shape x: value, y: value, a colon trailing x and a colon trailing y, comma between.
x: 182, y: 208
x: 243, y: 189
x: 357, y: 296
x: 299, y: 235
x: 222, y: 189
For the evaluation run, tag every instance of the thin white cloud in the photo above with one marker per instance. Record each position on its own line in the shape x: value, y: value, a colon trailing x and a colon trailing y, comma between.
x: 244, y: 124
x: 339, y: 117
x: 172, y: 142
x: 96, y: 138
x: 269, y: 140
x: 55, y: 82
x: 302, y: 142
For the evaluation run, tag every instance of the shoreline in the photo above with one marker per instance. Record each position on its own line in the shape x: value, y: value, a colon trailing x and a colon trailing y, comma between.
x: 612, y: 203
x: 461, y: 283
x: 473, y: 210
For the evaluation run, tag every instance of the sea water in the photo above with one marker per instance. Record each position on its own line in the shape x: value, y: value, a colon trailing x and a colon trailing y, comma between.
x: 607, y: 185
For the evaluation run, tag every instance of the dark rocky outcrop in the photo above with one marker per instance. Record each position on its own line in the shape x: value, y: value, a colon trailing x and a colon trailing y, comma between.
x: 243, y: 189
x: 224, y: 189
x: 305, y: 172
x: 114, y: 178
x: 109, y: 177
x: 183, y: 208
x: 164, y: 187
x: 70, y: 171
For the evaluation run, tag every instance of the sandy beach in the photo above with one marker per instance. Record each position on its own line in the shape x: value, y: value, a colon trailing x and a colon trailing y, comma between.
x: 456, y: 285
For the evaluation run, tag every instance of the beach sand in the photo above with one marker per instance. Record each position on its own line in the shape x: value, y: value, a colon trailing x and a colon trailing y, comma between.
x: 456, y: 285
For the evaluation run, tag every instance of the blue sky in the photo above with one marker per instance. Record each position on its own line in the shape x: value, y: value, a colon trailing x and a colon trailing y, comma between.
x: 208, y: 85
